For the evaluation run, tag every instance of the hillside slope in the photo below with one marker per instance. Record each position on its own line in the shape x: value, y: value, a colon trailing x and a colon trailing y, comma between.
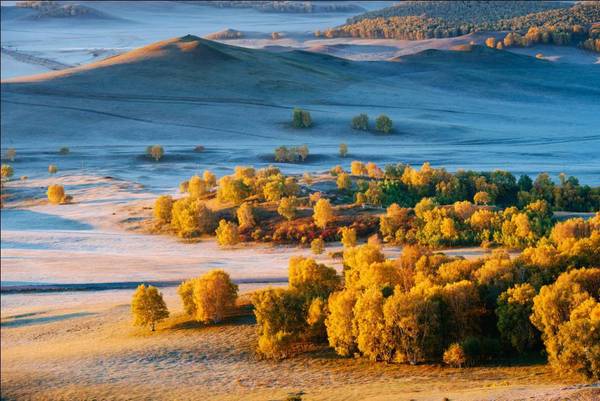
x: 192, y: 90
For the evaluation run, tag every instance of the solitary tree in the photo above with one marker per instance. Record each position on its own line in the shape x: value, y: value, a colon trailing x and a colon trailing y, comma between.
x: 52, y: 169
x: 148, y: 307
x: 343, y: 149
x: 155, y: 151
x: 64, y: 151
x: 383, y: 124
x: 10, y: 154
x: 56, y: 194
x: 323, y: 213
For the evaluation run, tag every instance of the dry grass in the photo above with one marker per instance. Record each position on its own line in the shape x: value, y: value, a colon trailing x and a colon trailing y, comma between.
x: 101, y: 356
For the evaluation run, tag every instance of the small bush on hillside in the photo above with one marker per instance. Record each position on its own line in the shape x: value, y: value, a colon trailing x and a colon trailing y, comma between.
x: 64, y: 151
x: 383, y: 124
x: 56, y: 194
x: 199, y: 149
x: 245, y: 216
x: 361, y: 122
x: 163, y: 206
x: 301, y: 118
x: 148, y: 307
x: 227, y: 233
x: 155, y: 151
x: 343, y: 150
x: 208, y: 298
x: 317, y: 246
x: 52, y: 169
x: 455, y: 356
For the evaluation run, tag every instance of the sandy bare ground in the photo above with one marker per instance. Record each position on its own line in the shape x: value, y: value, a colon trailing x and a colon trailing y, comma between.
x: 98, y: 355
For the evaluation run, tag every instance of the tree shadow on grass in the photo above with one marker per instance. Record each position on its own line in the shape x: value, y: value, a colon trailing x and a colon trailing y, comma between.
x: 186, y: 323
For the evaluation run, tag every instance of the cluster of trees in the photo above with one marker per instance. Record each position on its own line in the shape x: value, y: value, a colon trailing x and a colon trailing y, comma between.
x: 155, y: 151
x: 427, y: 307
x: 206, y: 299
x: 286, y: 6
x: 266, y: 184
x: 292, y: 154
x: 301, y: 118
x: 478, y: 12
x: 382, y: 123
x: 406, y: 186
x: 464, y: 223
x: 558, y: 35
x: 427, y: 206
x: 416, y: 20
x: 189, y: 216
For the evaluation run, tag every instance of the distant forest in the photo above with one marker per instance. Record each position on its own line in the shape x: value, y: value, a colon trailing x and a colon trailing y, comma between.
x: 576, y: 25
x: 284, y: 6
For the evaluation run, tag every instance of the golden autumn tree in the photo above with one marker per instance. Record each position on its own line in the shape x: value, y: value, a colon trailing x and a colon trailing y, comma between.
x: 163, y: 206
x: 323, y: 213
x: 148, y: 307
x: 209, y: 297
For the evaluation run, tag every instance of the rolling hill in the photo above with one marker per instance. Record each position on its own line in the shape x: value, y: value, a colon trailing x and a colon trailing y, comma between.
x: 192, y: 90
